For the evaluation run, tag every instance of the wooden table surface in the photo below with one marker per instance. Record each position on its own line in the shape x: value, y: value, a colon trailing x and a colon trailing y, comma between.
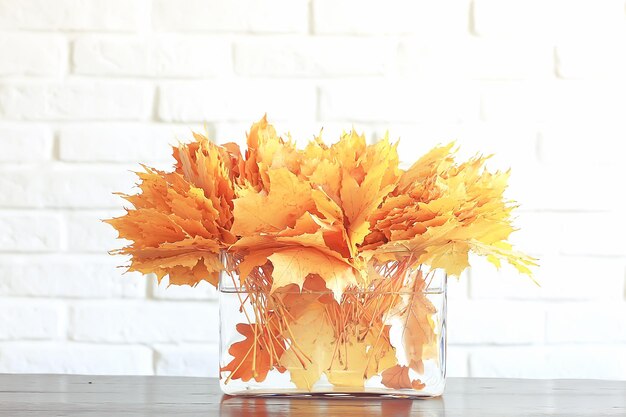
x: 65, y: 395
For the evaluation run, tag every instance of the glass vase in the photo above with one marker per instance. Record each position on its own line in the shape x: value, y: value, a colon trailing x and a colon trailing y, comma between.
x: 386, y: 339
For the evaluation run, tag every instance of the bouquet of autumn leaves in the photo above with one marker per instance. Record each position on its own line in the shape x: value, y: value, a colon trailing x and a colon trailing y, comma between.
x: 322, y: 241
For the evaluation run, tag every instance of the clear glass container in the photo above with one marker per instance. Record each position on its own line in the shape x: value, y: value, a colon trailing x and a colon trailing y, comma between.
x: 387, y: 339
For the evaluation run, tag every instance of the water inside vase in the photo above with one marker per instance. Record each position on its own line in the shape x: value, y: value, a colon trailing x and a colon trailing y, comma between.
x: 346, y: 378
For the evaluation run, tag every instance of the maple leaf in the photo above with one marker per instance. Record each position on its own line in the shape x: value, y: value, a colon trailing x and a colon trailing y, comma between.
x: 266, y: 151
x: 440, y: 211
x: 452, y: 257
x: 256, y: 355
x: 297, y: 301
x: 503, y: 250
x: 209, y: 167
x: 287, y: 200
x: 296, y: 256
x: 311, y: 335
x: 396, y: 377
x: 436, y: 160
x: 357, y: 360
x: 360, y: 200
x: 294, y: 265
x: 346, y: 357
x: 418, y: 333
x: 174, y: 228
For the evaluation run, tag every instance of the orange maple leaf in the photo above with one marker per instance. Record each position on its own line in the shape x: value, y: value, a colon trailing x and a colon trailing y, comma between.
x: 397, y: 377
x: 174, y: 230
x: 257, y: 354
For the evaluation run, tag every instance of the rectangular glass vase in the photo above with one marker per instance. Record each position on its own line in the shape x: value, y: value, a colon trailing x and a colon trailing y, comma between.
x: 388, y: 339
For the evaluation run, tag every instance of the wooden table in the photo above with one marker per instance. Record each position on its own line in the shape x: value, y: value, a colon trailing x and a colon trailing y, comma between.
x: 118, y: 396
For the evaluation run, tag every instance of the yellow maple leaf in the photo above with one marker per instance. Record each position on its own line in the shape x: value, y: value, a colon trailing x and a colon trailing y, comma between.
x: 312, y: 335
x: 295, y: 264
x: 287, y: 200
x: 419, y: 329
x: 359, y: 358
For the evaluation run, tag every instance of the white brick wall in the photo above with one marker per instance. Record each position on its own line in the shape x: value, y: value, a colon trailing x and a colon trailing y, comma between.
x: 69, y: 15
x: 242, y: 16
x: 161, y: 56
x: 89, y: 88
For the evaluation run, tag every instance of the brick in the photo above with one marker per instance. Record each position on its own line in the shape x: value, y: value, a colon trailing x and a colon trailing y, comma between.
x: 282, y: 16
x: 236, y: 101
x: 87, y: 233
x: 586, y: 322
x: 580, y: 362
x: 548, y: 20
x: 585, y: 362
x: 22, y: 187
x: 475, y: 59
x: 87, y: 188
x: 160, y: 56
x: 560, y: 278
x: 589, y: 18
x: 509, y: 362
x: 162, y: 290
x: 582, y: 59
x: 534, y: 226
x: 64, y: 186
x: 22, y: 319
x: 604, y: 101
x: 593, y: 234
x: 553, y: 102
x: 567, y: 143
x: 458, y: 289
x: 75, y: 358
x: 418, y: 58
x: 368, y: 17
x: 510, y: 17
x: 521, y: 102
x: 556, y: 102
x: 68, y: 276
x: 120, y: 142
x: 558, y: 193
x: 25, y: 143
x: 76, y: 100
x: 457, y: 362
x: 74, y: 15
x: 498, y: 59
x: 399, y: 102
x: 313, y: 56
x: 511, y: 147
x: 29, y: 232
x: 495, y: 322
x: 187, y: 360
x: 27, y: 54
x: 144, y: 322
